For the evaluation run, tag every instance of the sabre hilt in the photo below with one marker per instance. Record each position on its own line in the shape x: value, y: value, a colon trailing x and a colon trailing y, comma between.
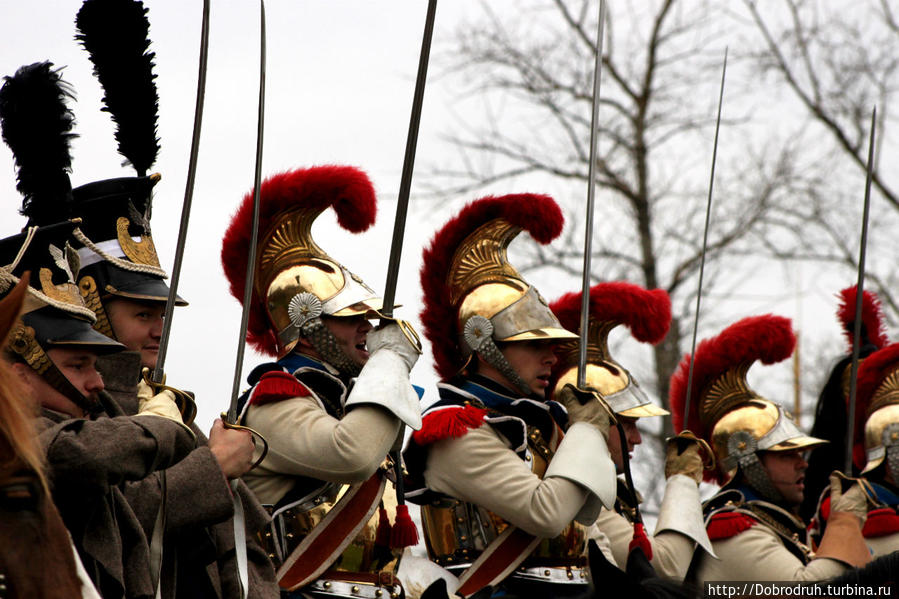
x: 184, y: 400
x: 406, y: 327
x: 685, y: 439
x: 256, y: 434
x: 589, y: 394
x: 846, y: 483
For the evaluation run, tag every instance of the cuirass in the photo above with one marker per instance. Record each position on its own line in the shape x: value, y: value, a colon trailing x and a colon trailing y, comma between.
x: 456, y: 532
x: 363, y: 565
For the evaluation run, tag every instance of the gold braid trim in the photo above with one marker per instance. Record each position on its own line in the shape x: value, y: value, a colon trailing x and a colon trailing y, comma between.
x: 785, y: 533
x: 91, y: 295
x: 23, y: 343
x: 123, y: 264
x: 8, y: 279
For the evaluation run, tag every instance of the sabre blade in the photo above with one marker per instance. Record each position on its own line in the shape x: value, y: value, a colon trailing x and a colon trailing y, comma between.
x: 588, y: 225
x: 857, y: 329
x: 399, y: 225
x: 705, y: 242
x: 254, y: 235
x: 159, y: 371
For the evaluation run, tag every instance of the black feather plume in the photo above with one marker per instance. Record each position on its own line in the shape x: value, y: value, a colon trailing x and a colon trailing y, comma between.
x: 114, y: 32
x: 37, y: 126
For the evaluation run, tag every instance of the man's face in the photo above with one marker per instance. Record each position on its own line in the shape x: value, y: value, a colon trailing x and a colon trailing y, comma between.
x: 532, y: 360
x: 138, y: 326
x: 78, y: 366
x: 786, y: 469
x: 351, y: 333
x: 632, y: 436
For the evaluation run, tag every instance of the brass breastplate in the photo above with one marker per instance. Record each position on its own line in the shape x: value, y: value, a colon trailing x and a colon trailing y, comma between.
x: 363, y: 565
x: 457, y: 532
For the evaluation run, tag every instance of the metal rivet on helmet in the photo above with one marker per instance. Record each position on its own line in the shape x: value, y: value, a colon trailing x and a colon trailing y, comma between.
x: 303, y: 307
x: 477, y: 330
x: 742, y: 443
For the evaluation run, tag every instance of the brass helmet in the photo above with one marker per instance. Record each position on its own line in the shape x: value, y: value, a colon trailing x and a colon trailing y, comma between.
x: 877, y: 411
x: 646, y: 313
x: 295, y: 281
x: 726, y: 412
x: 474, y: 297
x: 37, y: 126
x: 53, y: 314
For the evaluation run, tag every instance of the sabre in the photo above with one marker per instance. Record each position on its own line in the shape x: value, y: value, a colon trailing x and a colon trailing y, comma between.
x: 705, y: 241
x: 399, y: 225
x: 159, y: 371
x: 231, y: 416
x: 229, y: 420
x: 857, y: 332
x: 588, y: 227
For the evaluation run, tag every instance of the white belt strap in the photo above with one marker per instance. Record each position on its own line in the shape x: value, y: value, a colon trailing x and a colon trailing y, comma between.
x: 240, y: 540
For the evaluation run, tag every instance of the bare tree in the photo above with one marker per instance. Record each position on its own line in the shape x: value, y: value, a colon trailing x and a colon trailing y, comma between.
x: 531, y: 76
x: 838, y: 61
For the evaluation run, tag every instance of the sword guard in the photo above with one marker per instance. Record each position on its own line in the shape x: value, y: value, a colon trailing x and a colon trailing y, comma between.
x: 686, y: 438
x: 183, y: 399
x: 256, y: 434
x: 846, y: 483
x: 406, y: 327
x: 589, y: 394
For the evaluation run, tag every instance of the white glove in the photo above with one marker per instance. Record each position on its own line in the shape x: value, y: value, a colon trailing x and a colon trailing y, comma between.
x: 592, y: 412
x: 854, y: 500
x: 161, y: 404
x: 384, y: 380
x: 391, y: 338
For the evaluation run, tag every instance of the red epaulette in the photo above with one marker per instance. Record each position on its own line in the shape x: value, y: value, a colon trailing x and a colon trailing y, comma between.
x: 449, y: 422
x: 276, y: 386
x: 881, y: 522
x: 824, y: 509
x: 725, y: 525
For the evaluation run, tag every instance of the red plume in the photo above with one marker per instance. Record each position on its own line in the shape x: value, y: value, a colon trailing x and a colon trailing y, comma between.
x: 871, y: 373
x: 872, y: 316
x: 646, y: 313
x: 766, y: 338
x: 346, y: 189
x: 539, y: 215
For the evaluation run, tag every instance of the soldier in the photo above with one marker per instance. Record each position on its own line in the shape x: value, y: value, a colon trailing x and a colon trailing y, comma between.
x: 647, y: 314
x: 761, y: 468
x: 334, y: 403
x: 505, y: 493
x: 122, y: 282
x: 830, y: 412
x: 54, y: 349
x: 31, y: 530
x: 876, y: 452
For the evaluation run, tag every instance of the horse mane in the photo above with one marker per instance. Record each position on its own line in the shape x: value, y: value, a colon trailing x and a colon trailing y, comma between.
x: 18, y: 438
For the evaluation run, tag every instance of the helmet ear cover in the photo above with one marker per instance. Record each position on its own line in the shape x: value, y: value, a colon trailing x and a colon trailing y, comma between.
x: 882, y: 439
